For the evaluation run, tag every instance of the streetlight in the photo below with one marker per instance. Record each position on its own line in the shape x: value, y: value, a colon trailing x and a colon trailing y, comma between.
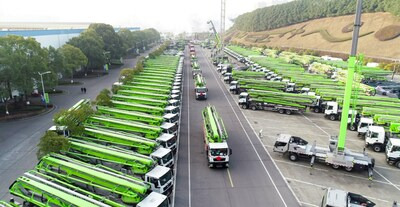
x: 41, y: 78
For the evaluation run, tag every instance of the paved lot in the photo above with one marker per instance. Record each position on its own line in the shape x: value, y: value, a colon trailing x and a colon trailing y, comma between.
x: 251, y: 180
x: 18, y: 139
x: 309, y: 185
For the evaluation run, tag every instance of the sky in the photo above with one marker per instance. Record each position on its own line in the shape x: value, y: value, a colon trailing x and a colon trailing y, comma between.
x: 164, y: 15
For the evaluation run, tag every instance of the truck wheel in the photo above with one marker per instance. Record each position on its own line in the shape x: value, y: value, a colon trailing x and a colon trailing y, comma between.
x: 335, y: 166
x: 288, y: 112
x: 293, y: 157
x: 348, y: 169
x: 352, y: 127
x: 377, y: 147
x: 253, y: 108
x: 281, y: 111
x: 332, y: 117
x: 397, y: 164
x: 316, y: 110
x: 226, y: 165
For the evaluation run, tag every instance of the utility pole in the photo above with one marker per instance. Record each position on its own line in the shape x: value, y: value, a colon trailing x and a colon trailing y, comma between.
x: 222, y: 31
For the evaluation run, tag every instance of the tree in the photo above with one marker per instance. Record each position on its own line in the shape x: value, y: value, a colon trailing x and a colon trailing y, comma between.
x: 22, y: 59
x: 73, y: 119
x: 92, y: 46
x: 73, y: 59
x: 112, y: 41
x: 51, y: 142
x: 55, y: 64
x: 104, y: 98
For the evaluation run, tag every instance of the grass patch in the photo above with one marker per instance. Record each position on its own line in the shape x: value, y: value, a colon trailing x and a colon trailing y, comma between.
x: 388, y: 33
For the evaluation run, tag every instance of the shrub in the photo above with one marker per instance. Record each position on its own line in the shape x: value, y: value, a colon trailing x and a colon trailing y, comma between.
x: 388, y: 33
x: 51, y: 142
x: 104, y: 98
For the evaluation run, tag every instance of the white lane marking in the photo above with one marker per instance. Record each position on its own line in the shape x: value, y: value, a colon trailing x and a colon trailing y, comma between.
x: 244, y: 130
x: 387, y: 180
x: 177, y: 143
x: 230, y: 177
x: 188, y: 137
x: 325, y: 187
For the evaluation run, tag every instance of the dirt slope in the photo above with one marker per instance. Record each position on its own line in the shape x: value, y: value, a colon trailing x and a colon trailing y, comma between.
x: 329, y: 34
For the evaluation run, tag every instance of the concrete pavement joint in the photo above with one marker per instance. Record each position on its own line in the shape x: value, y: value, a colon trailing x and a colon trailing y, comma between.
x: 244, y: 130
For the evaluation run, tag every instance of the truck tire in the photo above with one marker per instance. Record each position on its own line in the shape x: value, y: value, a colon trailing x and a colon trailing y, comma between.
x: 397, y: 164
x: 226, y: 165
x: 377, y: 147
x: 348, y: 169
x: 316, y: 110
x: 293, y: 157
x: 335, y: 166
x: 281, y: 111
x: 352, y: 127
x: 332, y: 117
x: 253, y: 107
x: 288, y: 112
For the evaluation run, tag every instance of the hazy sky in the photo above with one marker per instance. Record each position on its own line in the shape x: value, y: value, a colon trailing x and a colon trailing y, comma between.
x: 164, y: 15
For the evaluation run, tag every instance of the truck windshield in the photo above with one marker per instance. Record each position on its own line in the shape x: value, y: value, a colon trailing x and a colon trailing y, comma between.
x: 164, y: 203
x: 167, y: 158
x: 219, y: 152
x: 171, y: 130
x: 201, y: 90
x: 165, y: 178
x: 171, y: 142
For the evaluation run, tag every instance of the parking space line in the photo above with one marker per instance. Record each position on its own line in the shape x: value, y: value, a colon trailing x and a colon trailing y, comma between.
x: 387, y: 180
x: 316, y: 125
x: 248, y: 137
x: 230, y: 177
x: 325, y: 187
x: 308, y: 204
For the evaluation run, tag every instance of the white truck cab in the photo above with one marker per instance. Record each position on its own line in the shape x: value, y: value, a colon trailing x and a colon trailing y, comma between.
x: 393, y: 152
x: 160, y: 179
x: 154, y: 200
x: 163, y: 156
x: 171, y: 109
x: 243, y: 97
x: 218, y: 154
x: 375, y: 137
x: 363, y: 125
x: 167, y: 141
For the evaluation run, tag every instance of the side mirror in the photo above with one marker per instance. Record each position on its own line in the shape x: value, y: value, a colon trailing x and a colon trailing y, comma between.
x: 230, y: 151
x: 207, y: 89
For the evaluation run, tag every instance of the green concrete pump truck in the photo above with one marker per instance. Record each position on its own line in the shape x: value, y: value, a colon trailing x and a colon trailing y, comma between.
x: 200, y: 87
x: 129, y: 141
x: 97, y: 179
x: 131, y: 163
x: 215, y: 138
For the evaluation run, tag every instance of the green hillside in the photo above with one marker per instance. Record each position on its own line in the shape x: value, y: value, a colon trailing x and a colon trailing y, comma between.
x: 304, y: 10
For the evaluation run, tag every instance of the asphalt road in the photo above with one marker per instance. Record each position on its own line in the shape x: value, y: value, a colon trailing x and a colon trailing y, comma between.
x: 18, y: 139
x: 252, y: 178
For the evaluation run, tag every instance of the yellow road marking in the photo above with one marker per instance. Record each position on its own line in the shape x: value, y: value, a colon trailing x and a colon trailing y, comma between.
x: 230, y: 177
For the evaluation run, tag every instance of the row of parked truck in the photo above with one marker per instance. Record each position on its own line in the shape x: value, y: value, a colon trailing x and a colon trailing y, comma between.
x: 295, y: 147
x: 375, y: 118
x: 125, y: 154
